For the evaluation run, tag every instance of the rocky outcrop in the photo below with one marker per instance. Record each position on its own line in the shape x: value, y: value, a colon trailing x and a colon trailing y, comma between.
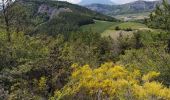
x: 51, y: 11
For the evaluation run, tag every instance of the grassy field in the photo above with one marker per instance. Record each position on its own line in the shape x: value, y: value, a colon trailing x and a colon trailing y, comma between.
x: 108, y: 28
x: 98, y: 26
x: 115, y: 34
x: 132, y: 25
x: 136, y: 16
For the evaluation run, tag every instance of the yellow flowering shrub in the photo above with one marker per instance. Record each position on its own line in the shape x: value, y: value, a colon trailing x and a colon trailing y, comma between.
x: 150, y: 76
x: 112, y: 82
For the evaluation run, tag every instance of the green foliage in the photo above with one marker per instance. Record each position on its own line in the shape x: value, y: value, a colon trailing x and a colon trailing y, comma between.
x: 149, y: 58
x: 117, y: 28
x: 31, y: 21
x: 23, y: 48
x: 37, y: 66
x: 92, y: 49
x: 128, y: 29
x: 150, y: 53
x: 98, y: 26
x: 16, y: 58
x: 160, y: 17
x: 45, y: 61
x: 42, y: 84
x: 63, y: 24
x: 132, y: 25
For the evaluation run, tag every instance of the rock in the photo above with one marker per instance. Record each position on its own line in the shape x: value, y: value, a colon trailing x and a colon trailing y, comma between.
x: 51, y: 12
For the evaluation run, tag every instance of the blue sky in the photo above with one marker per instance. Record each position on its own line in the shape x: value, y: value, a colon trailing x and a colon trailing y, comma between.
x: 115, y: 1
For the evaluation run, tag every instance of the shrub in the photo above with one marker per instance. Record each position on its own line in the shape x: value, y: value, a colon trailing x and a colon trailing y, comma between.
x: 112, y: 82
x: 128, y: 29
x: 117, y: 28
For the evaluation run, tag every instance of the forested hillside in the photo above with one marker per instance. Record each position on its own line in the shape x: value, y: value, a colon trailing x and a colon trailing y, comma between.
x: 60, y: 51
x: 42, y: 16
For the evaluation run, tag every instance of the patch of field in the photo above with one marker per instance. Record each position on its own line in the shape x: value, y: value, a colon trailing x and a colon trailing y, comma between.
x: 115, y: 34
x: 132, y: 17
x: 98, y: 26
x: 132, y: 25
x: 106, y: 28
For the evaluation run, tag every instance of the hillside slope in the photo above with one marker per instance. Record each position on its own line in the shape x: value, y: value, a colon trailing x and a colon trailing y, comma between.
x: 55, y: 17
x: 129, y: 8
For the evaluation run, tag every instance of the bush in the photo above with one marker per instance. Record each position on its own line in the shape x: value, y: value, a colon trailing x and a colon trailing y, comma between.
x: 112, y: 82
x: 117, y: 28
x: 128, y: 29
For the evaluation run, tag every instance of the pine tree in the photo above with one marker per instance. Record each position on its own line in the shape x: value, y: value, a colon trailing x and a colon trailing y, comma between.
x: 160, y: 18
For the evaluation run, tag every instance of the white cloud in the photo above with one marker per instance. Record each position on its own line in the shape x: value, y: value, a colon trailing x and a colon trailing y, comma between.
x: 72, y: 1
x: 115, y: 1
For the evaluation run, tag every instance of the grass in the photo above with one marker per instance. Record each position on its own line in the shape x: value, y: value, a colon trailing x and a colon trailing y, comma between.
x: 115, y: 34
x: 135, y: 16
x: 108, y: 28
x: 98, y: 26
x: 132, y: 25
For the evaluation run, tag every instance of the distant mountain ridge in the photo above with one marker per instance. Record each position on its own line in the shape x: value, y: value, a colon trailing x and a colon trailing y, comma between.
x: 129, y: 8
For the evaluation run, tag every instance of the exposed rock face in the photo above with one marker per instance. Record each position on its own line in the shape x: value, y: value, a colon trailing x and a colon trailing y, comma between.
x: 51, y: 12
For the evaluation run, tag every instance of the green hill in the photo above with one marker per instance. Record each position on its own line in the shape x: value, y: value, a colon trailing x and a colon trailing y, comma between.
x: 53, y: 17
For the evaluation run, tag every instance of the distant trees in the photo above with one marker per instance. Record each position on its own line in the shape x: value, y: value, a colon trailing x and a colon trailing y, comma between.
x: 117, y: 28
x: 160, y: 18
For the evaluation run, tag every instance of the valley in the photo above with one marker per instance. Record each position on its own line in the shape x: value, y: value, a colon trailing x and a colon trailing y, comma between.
x: 106, y: 28
x: 98, y: 26
x: 57, y: 50
x: 132, y: 17
x: 137, y: 10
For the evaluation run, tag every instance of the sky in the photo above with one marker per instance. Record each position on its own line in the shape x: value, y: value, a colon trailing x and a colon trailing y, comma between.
x: 115, y: 1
